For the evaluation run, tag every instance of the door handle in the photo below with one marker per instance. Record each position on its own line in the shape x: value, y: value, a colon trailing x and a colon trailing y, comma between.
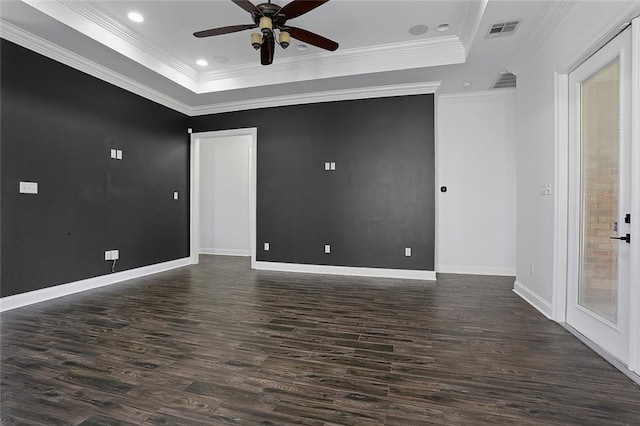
x: 626, y: 238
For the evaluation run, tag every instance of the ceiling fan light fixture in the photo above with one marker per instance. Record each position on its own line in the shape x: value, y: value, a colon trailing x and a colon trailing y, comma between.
x: 256, y: 40
x: 284, y: 39
x: 266, y: 25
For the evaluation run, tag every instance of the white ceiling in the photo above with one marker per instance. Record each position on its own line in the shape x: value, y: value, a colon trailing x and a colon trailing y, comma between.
x: 158, y: 56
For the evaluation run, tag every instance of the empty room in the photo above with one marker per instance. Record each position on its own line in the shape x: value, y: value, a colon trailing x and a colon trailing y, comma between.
x: 319, y: 212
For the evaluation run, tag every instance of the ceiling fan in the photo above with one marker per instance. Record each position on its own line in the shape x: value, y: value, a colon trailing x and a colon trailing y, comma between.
x: 270, y: 17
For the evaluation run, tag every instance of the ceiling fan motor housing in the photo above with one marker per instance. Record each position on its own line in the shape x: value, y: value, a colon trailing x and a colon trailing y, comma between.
x: 269, y: 10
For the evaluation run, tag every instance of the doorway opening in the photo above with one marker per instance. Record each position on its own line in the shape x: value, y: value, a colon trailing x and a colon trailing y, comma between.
x: 216, y: 231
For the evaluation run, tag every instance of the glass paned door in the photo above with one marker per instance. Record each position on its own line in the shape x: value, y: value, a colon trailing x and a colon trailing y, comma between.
x: 599, y: 138
x: 599, y: 197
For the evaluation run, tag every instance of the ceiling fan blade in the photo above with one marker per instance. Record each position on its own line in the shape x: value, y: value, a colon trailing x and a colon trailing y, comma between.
x: 223, y: 30
x: 312, y: 38
x: 267, y: 50
x: 300, y: 7
x: 248, y: 6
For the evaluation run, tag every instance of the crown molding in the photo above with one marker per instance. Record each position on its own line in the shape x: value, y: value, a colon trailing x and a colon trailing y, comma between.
x: 317, y: 97
x: 387, y: 57
x: 557, y: 10
x: 471, y: 23
x: 86, y: 21
x: 495, y: 95
x: 94, y: 15
x: 39, y: 45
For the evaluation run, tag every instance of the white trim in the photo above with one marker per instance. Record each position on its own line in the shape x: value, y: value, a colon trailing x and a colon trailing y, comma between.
x: 316, y: 97
x: 89, y: 23
x: 382, y: 58
x: 225, y: 252
x: 561, y: 196
x: 533, y: 299
x: 195, y: 189
x: 557, y: 10
x: 37, y: 296
x: 406, y: 274
x: 470, y: 24
x: 634, y: 291
x: 496, y: 95
x: 90, y: 13
x: 476, y: 270
x: 436, y: 181
x: 194, y: 199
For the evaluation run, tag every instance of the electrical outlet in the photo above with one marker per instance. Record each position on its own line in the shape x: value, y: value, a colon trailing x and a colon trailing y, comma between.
x: 107, y: 255
x: 28, y: 187
x: 333, y: 165
x: 115, y: 254
x: 113, y: 154
x: 175, y: 195
x: 407, y: 251
x: 327, y: 166
x: 266, y: 246
x: 327, y: 248
x: 119, y: 154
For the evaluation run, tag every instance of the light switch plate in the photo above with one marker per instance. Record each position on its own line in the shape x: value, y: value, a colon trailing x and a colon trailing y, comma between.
x: 407, y: 251
x: 175, y: 195
x: 113, y: 153
x: 327, y: 166
x: 327, y: 248
x: 333, y: 165
x: 119, y: 154
x: 266, y: 246
x: 28, y: 187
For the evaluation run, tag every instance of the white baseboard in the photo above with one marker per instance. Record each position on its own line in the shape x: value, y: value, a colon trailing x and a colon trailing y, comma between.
x: 225, y: 252
x: 36, y: 296
x: 533, y: 299
x: 407, y: 274
x: 476, y: 270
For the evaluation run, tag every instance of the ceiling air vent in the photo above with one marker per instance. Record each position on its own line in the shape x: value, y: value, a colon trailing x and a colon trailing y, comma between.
x: 503, y: 29
x: 504, y: 80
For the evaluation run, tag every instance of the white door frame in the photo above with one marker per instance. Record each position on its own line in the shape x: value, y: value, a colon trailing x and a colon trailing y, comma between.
x: 194, y: 228
x: 561, y: 200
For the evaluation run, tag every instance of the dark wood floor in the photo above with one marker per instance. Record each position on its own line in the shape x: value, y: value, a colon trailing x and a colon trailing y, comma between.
x: 221, y: 344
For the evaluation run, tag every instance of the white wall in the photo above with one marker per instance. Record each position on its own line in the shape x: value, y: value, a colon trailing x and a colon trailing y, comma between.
x: 476, y: 155
x: 584, y: 25
x: 224, y: 196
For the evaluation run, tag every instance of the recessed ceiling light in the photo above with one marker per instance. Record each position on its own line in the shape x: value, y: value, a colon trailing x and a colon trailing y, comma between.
x: 221, y: 59
x: 135, y: 17
x: 443, y: 27
x: 202, y: 62
x: 417, y: 30
x: 301, y: 47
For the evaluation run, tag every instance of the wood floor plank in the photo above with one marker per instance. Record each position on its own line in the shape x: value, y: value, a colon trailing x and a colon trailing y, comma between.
x: 218, y: 343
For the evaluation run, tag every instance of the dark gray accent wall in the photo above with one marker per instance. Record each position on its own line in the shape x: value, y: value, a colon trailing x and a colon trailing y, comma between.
x: 58, y: 126
x: 380, y: 198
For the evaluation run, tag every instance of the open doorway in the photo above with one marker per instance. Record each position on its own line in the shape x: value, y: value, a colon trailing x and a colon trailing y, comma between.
x: 223, y: 193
